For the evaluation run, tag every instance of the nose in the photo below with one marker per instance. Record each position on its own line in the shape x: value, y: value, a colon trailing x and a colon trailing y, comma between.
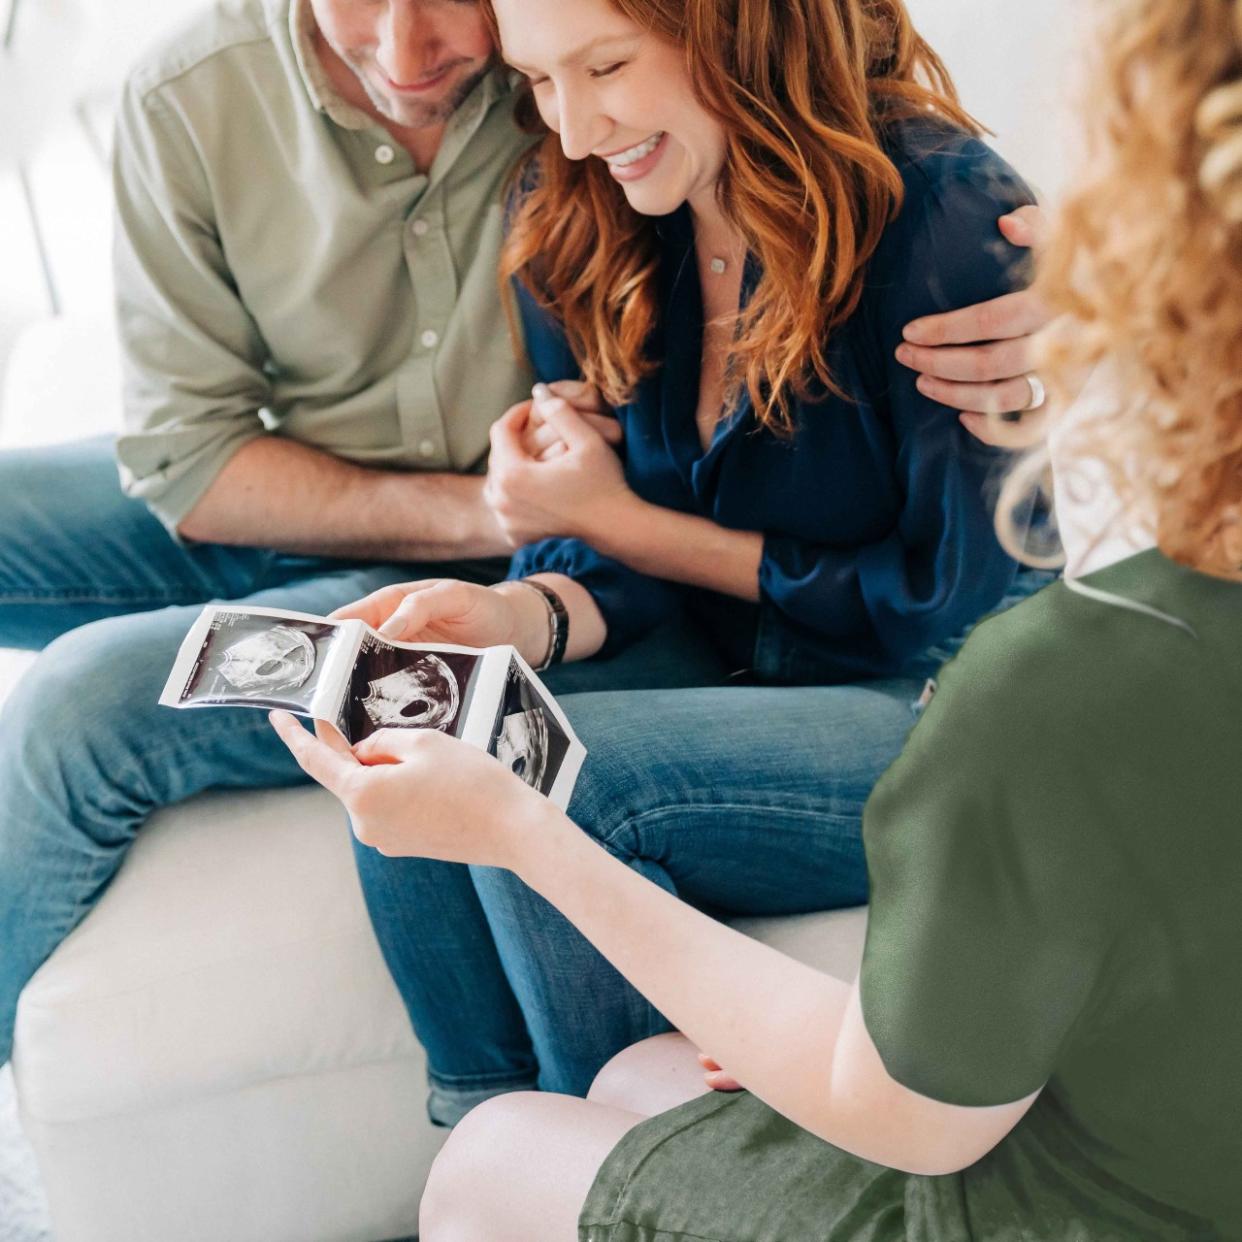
x: 582, y: 126
x: 410, y: 42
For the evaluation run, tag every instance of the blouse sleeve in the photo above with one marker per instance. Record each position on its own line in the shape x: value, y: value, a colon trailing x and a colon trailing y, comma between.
x: 990, y: 927
x: 631, y: 603
x: 940, y: 567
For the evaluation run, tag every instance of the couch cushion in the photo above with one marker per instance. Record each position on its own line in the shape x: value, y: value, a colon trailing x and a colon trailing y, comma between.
x: 233, y: 948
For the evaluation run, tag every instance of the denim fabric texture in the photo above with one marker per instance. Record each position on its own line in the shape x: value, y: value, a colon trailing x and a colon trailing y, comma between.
x: 743, y: 800
x: 95, y: 582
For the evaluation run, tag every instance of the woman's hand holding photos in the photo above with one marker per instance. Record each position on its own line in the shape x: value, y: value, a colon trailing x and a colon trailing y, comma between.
x: 419, y: 793
x: 444, y: 610
x: 577, y: 491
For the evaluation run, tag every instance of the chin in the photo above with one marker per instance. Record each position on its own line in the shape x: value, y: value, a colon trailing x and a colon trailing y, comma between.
x: 653, y: 201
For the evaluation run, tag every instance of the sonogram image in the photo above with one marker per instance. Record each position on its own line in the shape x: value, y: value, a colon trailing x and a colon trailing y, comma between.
x: 523, y: 745
x: 253, y: 660
x: 527, y: 737
x: 392, y: 688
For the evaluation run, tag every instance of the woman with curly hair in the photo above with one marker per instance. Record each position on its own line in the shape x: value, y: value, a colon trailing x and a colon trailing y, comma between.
x: 1042, y: 1042
x: 733, y: 210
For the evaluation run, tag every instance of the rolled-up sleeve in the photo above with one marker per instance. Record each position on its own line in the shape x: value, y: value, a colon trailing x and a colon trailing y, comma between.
x: 940, y: 567
x: 632, y: 604
x: 193, y: 357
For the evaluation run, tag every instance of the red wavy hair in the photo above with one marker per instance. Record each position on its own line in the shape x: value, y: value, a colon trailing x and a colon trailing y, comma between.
x: 802, y: 89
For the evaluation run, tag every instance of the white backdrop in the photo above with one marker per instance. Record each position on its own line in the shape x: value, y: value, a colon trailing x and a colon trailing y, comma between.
x: 1015, y: 63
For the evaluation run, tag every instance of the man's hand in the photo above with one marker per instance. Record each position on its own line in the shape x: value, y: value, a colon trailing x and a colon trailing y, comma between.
x: 977, y: 359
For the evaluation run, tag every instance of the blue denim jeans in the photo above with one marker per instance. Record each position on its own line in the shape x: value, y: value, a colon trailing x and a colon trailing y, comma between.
x: 96, y: 584
x: 742, y: 800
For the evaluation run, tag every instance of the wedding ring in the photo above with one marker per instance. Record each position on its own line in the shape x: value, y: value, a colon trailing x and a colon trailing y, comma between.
x: 1039, y: 394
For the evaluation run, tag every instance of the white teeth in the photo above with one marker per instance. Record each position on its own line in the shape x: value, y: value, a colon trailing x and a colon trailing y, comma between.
x: 624, y: 158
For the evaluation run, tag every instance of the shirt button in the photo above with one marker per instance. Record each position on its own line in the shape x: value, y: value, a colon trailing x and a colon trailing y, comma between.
x: 430, y: 338
x: 384, y: 154
x: 427, y: 448
x: 420, y: 228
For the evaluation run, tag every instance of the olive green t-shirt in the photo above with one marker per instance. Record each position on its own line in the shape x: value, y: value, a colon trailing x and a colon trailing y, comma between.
x: 1056, y: 868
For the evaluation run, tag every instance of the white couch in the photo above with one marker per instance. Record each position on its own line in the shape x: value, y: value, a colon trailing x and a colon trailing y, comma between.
x: 217, y: 1054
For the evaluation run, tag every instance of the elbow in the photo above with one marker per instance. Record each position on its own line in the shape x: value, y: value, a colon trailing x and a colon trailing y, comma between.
x: 193, y: 528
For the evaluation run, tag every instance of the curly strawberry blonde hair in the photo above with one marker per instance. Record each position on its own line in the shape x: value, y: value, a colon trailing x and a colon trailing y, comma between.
x: 1147, y: 269
x: 801, y: 88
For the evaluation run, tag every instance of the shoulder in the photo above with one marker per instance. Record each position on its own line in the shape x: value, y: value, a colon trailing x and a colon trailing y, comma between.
x: 207, y: 45
x: 953, y: 183
x: 943, y: 249
x: 937, y: 159
x: 1071, y: 654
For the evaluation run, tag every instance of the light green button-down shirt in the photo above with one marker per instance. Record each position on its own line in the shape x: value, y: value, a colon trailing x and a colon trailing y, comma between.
x: 281, y: 265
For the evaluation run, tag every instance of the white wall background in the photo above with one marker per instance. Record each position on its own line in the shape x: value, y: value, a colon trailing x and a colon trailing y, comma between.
x: 1016, y: 64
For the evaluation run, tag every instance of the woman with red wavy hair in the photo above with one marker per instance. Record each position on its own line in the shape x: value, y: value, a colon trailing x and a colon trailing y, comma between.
x: 1042, y: 1042
x: 732, y: 210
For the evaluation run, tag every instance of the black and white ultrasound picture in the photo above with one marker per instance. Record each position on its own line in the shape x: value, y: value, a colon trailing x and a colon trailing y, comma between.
x: 257, y: 661
x: 395, y: 689
x: 527, y: 738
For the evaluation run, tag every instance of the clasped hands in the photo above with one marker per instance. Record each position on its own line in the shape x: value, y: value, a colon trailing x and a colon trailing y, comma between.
x: 555, y: 467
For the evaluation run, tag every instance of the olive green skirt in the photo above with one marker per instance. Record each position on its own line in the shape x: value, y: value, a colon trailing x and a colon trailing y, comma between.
x: 726, y: 1168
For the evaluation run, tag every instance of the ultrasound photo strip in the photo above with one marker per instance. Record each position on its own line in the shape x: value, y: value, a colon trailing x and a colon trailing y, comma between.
x: 344, y: 672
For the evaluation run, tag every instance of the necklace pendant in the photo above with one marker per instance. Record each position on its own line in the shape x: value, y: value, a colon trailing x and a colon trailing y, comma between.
x: 718, y: 266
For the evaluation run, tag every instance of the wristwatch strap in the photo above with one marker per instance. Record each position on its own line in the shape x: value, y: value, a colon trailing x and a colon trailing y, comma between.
x: 558, y: 624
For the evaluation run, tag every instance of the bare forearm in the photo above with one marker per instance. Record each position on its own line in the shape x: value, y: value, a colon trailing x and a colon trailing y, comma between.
x: 791, y: 1035
x: 276, y: 493
x: 771, y: 1021
x: 684, y: 548
x: 587, y: 628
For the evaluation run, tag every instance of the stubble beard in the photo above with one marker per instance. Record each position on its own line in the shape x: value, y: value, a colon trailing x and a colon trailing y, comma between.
x: 412, y: 114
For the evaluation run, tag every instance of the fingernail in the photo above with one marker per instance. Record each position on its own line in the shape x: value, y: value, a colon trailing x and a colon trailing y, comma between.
x: 914, y: 332
x: 541, y: 392
x: 905, y: 354
x: 923, y: 385
x: 392, y: 627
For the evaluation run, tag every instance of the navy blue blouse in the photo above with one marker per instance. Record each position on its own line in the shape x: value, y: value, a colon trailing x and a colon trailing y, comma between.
x: 877, y: 513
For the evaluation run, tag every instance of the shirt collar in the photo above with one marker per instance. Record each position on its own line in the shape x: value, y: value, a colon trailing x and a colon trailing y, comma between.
x: 323, y: 94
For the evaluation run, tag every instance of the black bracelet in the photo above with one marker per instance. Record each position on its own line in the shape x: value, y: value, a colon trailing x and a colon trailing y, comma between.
x: 558, y: 624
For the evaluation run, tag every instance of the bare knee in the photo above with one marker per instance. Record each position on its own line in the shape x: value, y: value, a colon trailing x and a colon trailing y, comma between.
x: 650, y: 1077
x: 464, y: 1188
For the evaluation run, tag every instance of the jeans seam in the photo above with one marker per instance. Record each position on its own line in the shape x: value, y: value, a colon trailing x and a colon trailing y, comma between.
x: 632, y: 822
x: 457, y: 1084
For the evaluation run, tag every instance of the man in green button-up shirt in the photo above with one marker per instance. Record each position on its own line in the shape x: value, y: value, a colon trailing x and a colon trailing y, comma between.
x: 309, y: 217
x: 309, y: 210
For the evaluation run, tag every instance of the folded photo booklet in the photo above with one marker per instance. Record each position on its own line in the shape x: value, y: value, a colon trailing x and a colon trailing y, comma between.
x: 345, y: 673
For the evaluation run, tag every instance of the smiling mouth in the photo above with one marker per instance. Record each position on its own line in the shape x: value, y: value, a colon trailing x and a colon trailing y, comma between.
x: 623, y: 159
x: 416, y: 88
